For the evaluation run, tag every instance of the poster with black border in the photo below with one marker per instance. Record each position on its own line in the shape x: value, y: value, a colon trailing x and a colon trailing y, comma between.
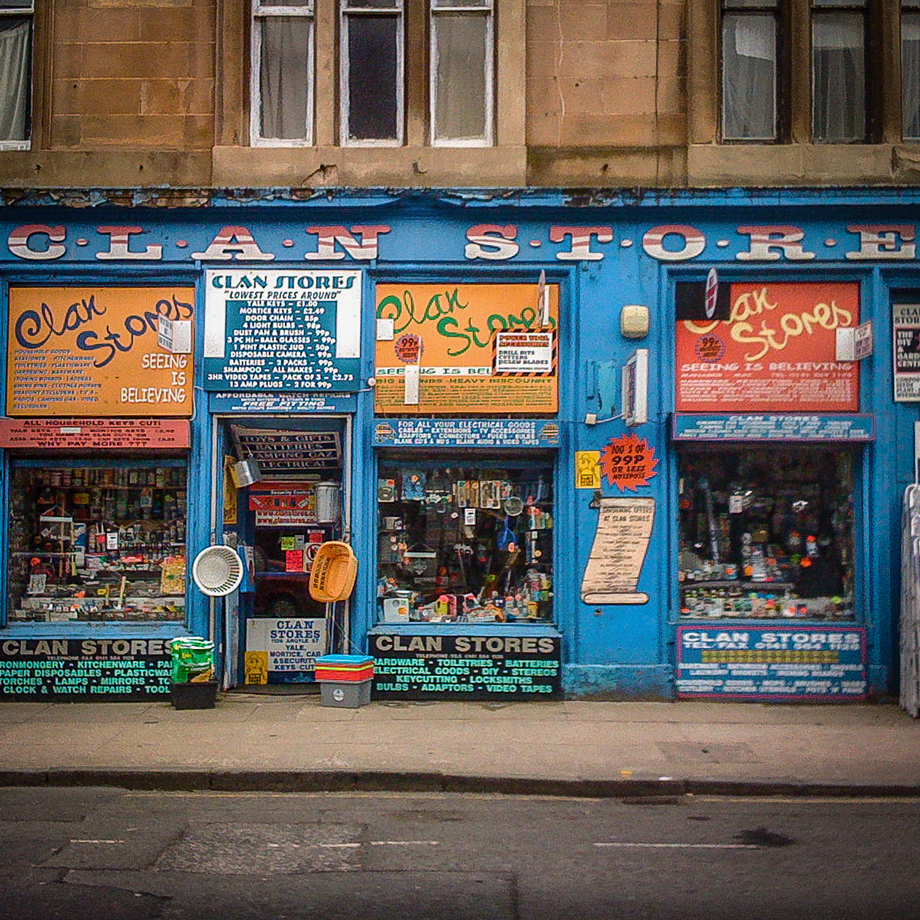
x: 905, y: 324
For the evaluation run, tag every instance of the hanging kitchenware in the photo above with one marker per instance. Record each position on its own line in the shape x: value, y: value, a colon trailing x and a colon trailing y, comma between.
x: 245, y: 472
x: 217, y: 570
x: 328, y: 502
x: 332, y: 577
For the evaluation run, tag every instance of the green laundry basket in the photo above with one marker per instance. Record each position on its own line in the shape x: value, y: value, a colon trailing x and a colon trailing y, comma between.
x: 192, y: 660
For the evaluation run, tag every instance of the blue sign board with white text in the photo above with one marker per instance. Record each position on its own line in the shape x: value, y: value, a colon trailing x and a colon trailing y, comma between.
x: 782, y: 662
x: 826, y: 428
x: 452, y: 432
x: 249, y: 403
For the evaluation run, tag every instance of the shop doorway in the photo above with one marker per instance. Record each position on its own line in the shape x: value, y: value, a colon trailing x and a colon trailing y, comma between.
x: 284, y: 497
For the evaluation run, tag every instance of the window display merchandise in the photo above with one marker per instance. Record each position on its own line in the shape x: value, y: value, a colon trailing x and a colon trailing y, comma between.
x: 465, y: 544
x: 91, y: 542
x: 766, y: 532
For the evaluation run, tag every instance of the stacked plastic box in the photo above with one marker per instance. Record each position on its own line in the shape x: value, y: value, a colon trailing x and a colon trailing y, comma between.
x: 345, y: 680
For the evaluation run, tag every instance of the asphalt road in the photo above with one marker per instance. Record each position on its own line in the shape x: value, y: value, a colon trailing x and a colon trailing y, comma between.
x: 109, y: 854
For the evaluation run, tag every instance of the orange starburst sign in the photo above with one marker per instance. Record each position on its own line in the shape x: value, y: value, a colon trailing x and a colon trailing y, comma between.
x: 628, y: 462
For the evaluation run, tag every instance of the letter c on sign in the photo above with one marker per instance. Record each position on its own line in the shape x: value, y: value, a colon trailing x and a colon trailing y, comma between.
x: 21, y: 237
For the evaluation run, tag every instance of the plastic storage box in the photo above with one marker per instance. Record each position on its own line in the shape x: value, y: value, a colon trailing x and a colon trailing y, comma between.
x: 344, y: 667
x: 345, y: 680
x: 197, y: 695
x: 346, y: 694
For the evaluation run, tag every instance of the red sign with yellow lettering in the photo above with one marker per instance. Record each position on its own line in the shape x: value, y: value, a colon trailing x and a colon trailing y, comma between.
x: 776, y: 353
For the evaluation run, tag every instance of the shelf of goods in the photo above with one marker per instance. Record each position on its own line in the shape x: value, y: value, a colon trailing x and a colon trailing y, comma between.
x: 104, y: 545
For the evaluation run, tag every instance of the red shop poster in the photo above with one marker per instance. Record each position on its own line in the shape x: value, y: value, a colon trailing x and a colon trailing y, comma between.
x: 775, y: 353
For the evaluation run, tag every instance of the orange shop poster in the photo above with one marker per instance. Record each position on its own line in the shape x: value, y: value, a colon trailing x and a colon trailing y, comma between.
x: 480, y: 349
x: 774, y: 354
x: 628, y: 462
x: 93, y: 351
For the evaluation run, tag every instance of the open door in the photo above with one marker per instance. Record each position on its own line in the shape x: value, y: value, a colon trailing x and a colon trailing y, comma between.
x: 289, y: 500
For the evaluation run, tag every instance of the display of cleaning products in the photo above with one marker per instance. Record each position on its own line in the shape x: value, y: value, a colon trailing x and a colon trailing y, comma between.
x: 97, y: 543
x: 766, y: 532
x: 476, y: 546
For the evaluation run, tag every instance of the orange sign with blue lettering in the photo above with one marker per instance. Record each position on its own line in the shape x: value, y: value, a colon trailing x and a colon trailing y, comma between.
x: 93, y: 351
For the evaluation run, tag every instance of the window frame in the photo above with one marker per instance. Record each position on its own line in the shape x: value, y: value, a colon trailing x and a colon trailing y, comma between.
x: 777, y: 11
x: 502, y: 163
x: 32, y: 465
x: 908, y: 9
x: 795, y: 64
x: 825, y: 9
x: 262, y: 10
x: 24, y: 10
x: 363, y: 8
x: 437, y: 10
x: 401, y: 538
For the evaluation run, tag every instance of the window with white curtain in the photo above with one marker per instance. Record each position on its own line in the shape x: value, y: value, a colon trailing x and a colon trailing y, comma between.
x: 15, y: 73
x: 341, y: 71
x: 461, y: 83
x: 910, y: 69
x: 372, y: 91
x: 805, y: 71
x: 838, y: 42
x: 749, y: 70
x: 282, y: 72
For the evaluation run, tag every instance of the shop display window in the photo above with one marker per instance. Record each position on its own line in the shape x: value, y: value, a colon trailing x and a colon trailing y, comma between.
x: 766, y: 532
x: 468, y: 542
x: 97, y: 542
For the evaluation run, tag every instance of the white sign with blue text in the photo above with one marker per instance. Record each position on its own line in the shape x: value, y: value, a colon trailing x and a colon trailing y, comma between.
x: 282, y: 330
x: 292, y: 644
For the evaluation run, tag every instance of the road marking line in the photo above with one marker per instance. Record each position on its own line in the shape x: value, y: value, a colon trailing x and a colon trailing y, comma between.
x: 404, y: 843
x: 686, y: 846
x: 378, y: 843
x: 97, y: 841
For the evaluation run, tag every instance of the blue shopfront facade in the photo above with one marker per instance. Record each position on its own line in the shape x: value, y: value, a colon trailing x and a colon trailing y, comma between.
x: 620, y: 446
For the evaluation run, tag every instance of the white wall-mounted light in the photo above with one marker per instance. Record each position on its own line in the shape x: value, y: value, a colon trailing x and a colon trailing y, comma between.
x: 634, y: 321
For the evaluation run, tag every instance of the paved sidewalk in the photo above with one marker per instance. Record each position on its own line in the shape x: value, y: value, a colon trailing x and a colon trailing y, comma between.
x: 293, y: 742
